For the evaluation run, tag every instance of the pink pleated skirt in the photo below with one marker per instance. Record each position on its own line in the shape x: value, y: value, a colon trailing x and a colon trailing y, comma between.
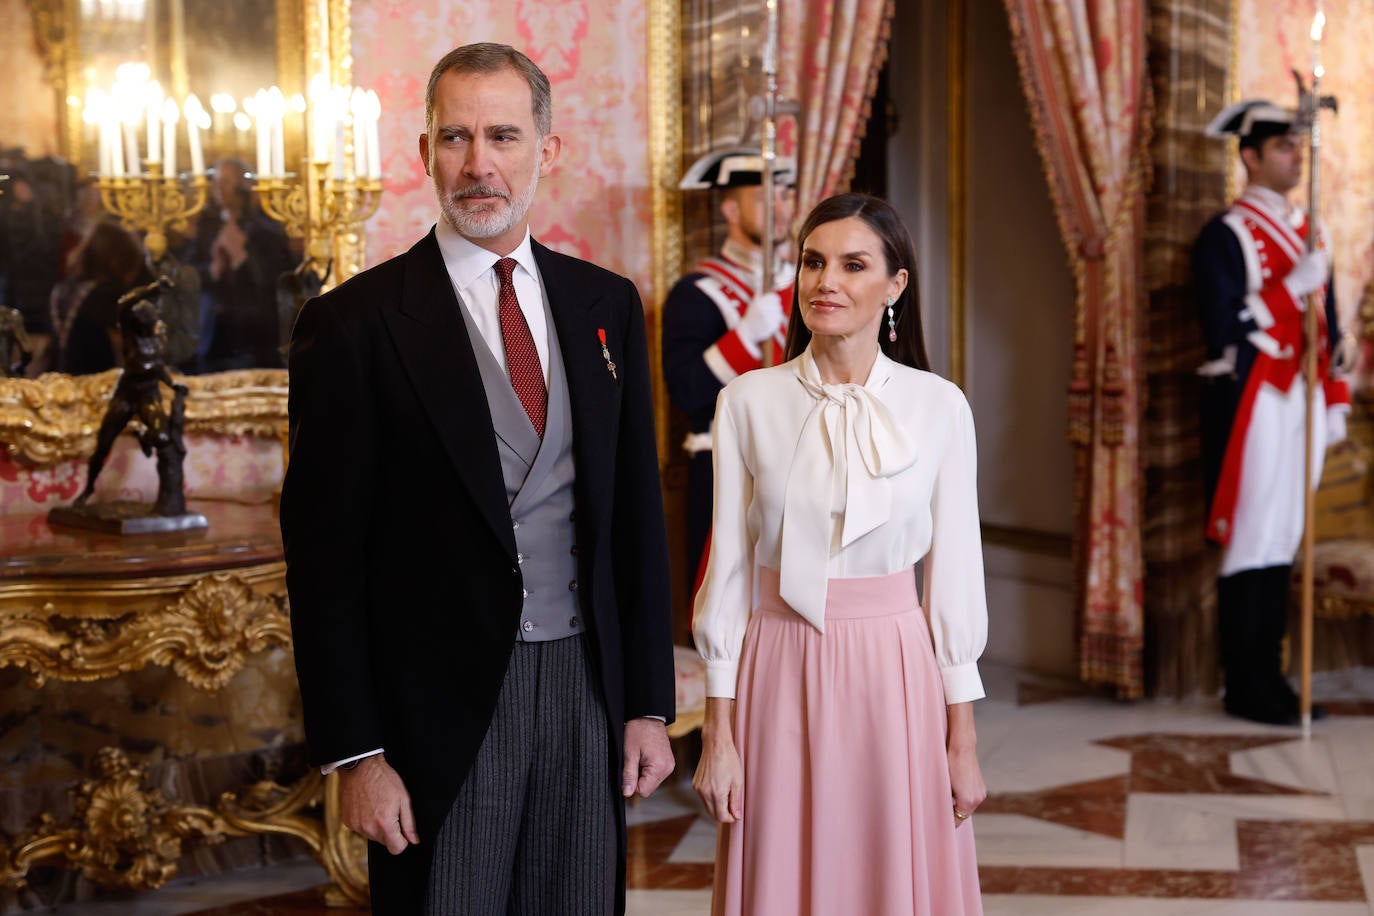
x: 847, y: 802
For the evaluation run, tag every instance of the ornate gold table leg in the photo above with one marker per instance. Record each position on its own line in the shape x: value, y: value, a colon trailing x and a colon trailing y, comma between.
x: 270, y: 808
x: 126, y: 837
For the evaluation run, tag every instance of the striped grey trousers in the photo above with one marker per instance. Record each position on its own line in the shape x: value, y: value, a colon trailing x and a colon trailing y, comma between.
x: 532, y: 832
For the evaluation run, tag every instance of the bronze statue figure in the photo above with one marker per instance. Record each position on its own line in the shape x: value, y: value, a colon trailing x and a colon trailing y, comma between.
x: 138, y: 395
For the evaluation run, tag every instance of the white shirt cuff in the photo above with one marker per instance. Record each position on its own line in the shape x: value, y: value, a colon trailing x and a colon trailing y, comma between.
x: 721, y: 677
x: 331, y: 767
x: 962, y: 683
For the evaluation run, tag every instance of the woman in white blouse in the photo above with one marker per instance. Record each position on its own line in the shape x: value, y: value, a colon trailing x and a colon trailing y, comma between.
x: 838, y: 748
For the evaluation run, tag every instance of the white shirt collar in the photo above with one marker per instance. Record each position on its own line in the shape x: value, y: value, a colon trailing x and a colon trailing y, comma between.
x: 466, y: 260
x: 1272, y: 200
x: 751, y: 258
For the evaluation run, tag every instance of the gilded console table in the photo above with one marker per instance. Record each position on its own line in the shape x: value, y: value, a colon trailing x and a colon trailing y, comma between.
x: 81, y: 606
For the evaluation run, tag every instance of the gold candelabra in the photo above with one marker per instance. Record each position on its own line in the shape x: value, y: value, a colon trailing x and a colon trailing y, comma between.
x: 153, y: 203
x: 324, y: 210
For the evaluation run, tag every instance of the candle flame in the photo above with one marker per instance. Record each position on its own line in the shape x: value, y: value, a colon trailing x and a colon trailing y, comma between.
x: 1318, y: 25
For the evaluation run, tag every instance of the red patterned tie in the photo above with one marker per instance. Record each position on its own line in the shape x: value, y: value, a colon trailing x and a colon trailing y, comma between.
x: 522, y: 359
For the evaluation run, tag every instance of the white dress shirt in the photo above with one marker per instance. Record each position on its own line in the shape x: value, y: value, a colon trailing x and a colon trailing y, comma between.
x: 472, y: 269
x: 823, y: 481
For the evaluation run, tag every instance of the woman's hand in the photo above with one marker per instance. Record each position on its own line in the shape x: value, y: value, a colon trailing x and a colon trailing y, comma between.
x: 719, y: 779
x: 965, y: 776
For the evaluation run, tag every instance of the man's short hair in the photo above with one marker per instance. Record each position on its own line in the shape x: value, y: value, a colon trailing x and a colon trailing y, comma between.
x: 490, y: 57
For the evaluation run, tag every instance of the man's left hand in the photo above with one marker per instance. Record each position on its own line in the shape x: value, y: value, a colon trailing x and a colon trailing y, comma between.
x: 648, y: 757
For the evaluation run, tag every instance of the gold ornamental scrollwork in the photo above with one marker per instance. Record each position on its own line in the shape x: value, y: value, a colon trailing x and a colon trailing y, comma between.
x: 123, y: 835
x: 205, y: 636
x: 55, y: 417
x: 271, y: 808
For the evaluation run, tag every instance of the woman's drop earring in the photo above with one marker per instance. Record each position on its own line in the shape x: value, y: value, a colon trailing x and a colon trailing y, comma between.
x: 891, y: 323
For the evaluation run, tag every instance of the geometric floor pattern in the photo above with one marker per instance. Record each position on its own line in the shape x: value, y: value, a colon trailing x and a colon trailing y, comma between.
x: 1095, y: 807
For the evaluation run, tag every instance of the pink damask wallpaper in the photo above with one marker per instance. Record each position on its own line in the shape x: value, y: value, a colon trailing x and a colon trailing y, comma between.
x: 1273, y: 41
x: 596, y: 204
x: 32, y: 127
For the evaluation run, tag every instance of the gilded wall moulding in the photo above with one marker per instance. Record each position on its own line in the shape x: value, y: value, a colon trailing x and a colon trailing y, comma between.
x: 206, y: 635
x: 55, y: 417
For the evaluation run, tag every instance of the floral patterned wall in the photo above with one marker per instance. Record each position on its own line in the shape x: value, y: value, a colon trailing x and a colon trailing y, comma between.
x: 1272, y: 42
x: 596, y: 204
x: 32, y: 127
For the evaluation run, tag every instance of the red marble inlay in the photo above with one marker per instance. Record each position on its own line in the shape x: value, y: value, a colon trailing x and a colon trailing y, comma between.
x: 1198, y: 764
x: 1098, y: 806
x: 1279, y: 860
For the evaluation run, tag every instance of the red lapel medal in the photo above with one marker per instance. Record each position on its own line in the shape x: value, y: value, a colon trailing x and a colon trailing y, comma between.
x: 605, y: 353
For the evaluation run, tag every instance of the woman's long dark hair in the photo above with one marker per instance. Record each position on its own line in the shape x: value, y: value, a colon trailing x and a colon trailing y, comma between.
x: 910, y: 346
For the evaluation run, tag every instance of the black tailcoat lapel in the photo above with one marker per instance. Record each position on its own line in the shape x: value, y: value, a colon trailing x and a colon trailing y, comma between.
x: 437, y: 354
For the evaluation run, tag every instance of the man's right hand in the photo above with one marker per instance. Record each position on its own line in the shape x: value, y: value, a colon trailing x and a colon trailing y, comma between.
x: 1308, y: 275
x: 762, y: 319
x: 373, y: 803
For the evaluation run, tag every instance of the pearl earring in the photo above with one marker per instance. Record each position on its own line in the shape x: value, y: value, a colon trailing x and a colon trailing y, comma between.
x: 891, y: 322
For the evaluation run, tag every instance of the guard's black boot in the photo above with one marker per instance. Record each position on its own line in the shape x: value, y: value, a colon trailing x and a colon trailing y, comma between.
x: 1242, y: 621
x: 1274, y: 606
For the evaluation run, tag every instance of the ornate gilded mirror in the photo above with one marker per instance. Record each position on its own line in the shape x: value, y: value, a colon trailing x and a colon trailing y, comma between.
x: 63, y: 257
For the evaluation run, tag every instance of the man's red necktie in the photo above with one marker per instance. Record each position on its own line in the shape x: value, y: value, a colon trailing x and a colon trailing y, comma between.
x: 522, y: 359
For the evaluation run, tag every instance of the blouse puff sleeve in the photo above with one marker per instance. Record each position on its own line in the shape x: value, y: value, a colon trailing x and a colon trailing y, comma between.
x: 726, y: 596
x: 955, y: 598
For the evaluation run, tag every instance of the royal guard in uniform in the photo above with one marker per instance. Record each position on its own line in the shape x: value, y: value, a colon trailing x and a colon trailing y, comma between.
x: 1253, y: 277
x: 716, y: 323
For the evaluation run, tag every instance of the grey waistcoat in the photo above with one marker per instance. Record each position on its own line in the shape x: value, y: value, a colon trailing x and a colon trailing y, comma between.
x: 539, y: 489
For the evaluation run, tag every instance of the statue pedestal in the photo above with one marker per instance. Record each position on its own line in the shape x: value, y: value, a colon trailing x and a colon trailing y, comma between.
x: 124, y: 518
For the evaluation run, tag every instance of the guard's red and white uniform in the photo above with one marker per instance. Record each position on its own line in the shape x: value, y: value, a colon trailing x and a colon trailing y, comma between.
x: 729, y: 284
x: 1258, y: 508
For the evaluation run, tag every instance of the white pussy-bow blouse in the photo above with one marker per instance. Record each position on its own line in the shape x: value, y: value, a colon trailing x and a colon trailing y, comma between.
x: 821, y: 481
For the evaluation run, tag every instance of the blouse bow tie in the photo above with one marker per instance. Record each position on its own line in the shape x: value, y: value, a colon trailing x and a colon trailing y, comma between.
x: 850, y: 444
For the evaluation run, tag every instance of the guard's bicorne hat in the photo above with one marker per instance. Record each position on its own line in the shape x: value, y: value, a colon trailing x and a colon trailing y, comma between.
x: 1253, y: 121
x: 737, y: 167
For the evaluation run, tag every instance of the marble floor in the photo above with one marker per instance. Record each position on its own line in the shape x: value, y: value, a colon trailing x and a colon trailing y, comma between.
x: 1150, y: 809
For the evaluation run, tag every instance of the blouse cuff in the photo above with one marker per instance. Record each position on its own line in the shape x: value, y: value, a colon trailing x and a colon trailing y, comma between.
x: 962, y: 683
x: 721, y: 677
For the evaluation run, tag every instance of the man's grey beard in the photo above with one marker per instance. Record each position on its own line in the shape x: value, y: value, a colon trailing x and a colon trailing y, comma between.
x: 490, y: 223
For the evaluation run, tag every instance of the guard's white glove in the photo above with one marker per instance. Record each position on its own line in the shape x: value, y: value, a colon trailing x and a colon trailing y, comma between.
x: 1335, y: 425
x: 762, y: 319
x: 1308, y: 274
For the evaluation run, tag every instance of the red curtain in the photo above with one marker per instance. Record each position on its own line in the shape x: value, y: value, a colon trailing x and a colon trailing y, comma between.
x: 1084, y: 74
x: 829, y: 56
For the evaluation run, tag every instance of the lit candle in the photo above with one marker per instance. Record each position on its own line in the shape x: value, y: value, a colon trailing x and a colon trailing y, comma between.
x: 358, y: 107
x: 374, y: 147
x: 276, y: 119
x: 131, y: 144
x: 112, y: 127
x: 264, y: 132
x: 169, y: 138
x: 153, y: 97
x: 194, y: 115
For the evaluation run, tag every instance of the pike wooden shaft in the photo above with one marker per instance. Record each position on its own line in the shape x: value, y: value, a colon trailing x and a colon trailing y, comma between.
x: 1315, y: 301
x: 1309, y: 510
x: 769, y: 151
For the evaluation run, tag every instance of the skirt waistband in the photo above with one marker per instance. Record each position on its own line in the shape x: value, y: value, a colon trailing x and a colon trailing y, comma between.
x: 850, y: 598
